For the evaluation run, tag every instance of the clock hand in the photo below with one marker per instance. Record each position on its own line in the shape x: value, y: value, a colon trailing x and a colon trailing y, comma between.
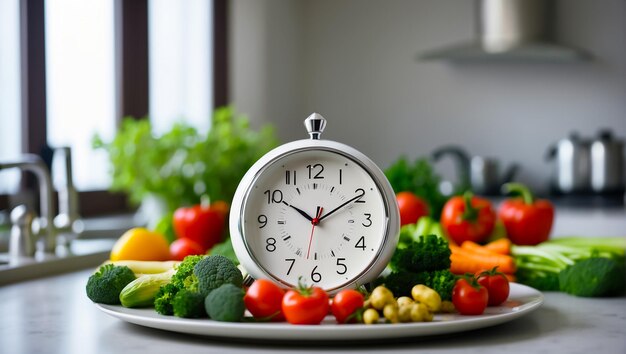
x: 315, y: 221
x: 300, y: 211
x: 339, y: 207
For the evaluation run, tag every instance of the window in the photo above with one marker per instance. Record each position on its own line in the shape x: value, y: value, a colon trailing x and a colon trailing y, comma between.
x: 10, y: 110
x: 80, y: 81
x: 180, y: 36
x: 85, y: 65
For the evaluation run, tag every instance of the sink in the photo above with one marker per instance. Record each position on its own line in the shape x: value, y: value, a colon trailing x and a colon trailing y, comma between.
x: 81, y: 254
x: 110, y: 226
x: 65, y: 242
x: 90, y: 249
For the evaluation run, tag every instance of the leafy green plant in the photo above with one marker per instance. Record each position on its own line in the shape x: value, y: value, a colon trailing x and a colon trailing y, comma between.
x: 183, y: 164
x: 420, y: 178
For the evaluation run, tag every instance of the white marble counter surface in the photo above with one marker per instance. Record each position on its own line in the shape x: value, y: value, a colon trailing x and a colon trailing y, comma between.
x: 53, y: 315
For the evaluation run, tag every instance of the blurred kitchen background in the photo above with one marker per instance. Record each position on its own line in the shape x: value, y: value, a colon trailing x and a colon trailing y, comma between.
x: 379, y: 71
x: 356, y: 62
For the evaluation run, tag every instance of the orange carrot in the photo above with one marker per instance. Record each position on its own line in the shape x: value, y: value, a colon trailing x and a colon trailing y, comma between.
x: 466, y: 261
x: 473, y: 249
x: 501, y: 246
x: 476, y: 248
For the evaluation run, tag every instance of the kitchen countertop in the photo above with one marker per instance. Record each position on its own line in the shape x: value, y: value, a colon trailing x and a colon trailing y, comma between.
x: 53, y: 315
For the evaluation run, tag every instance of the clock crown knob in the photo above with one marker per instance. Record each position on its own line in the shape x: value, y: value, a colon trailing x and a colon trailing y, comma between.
x: 315, y: 125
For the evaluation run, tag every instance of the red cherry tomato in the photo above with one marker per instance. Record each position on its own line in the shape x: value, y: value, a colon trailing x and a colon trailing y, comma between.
x: 203, y: 224
x: 469, y: 297
x: 345, y: 304
x: 183, y: 247
x: 411, y: 207
x: 264, y: 300
x: 468, y: 218
x: 497, y: 286
x: 305, y: 305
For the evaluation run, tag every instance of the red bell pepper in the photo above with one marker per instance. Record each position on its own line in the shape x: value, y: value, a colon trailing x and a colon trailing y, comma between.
x: 204, y: 224
x: 527, y: 221
x: 468, y: 218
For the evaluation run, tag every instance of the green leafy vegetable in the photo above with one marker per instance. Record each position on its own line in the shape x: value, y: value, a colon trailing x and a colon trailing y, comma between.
x: 592, y: 266
x: 593, y: 277
x: 225, y: 249
x: 414, y: 232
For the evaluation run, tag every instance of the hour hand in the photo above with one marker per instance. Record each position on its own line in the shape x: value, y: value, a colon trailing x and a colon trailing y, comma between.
x: 300, y: 211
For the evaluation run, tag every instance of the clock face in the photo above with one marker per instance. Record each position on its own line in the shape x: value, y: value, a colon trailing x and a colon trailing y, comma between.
x: 314, y: 215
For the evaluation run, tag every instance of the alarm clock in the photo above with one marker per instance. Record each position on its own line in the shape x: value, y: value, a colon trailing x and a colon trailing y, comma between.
x: 314, y: 212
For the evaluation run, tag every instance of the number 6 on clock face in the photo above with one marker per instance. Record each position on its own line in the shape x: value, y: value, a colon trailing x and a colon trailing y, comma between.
x: 314, y: 212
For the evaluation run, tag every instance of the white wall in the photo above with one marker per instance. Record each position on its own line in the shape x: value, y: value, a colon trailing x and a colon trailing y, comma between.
x: 354, y: 61
x: 266, y: 60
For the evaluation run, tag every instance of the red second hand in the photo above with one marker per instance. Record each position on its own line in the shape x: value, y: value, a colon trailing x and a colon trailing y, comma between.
x: 315, y: 221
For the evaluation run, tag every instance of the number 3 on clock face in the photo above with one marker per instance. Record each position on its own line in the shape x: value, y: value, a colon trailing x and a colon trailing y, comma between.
x: 315, y: 215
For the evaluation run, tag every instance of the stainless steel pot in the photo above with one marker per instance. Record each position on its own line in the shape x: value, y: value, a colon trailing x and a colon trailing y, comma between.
x: 588, y: 166
x: 484, y: 175
x: 607, y: 164
x: 572, y: 165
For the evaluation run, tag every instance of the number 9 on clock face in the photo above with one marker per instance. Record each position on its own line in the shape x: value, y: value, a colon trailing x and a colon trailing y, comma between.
x: 314, y: 215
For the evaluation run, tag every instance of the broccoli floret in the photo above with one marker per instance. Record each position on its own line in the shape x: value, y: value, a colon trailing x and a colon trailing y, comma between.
x: 214, y: 271
x: 182, y: 279
x: 163, y: 299
x: 188, y: 304
x: 196, y: 275
x: 226, y: 303
x: 184, y: 272
x: 107, y: 283
x: 593, y: 277
x: 420, y: 260
x: 429, y: 253
x: 442, y: 281
x: 401, y: 282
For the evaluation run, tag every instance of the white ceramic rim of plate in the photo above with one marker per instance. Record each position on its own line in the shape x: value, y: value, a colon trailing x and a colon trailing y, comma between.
x: 522, y: 300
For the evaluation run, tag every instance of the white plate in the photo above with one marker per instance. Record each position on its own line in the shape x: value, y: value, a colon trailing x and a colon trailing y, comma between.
x: 522, y: 300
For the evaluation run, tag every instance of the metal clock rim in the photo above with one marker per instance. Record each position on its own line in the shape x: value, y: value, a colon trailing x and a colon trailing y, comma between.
x: 392, y: 222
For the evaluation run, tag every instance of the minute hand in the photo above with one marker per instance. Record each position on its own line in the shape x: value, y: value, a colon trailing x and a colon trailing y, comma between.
x: 339, y: 207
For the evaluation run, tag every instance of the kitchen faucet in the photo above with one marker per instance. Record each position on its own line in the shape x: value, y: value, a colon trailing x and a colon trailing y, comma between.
x: 34, y: 164
x: 68, y: 213
x: 67, y: 217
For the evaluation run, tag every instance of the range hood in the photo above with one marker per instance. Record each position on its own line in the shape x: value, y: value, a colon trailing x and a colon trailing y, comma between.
x: 511, y: 30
